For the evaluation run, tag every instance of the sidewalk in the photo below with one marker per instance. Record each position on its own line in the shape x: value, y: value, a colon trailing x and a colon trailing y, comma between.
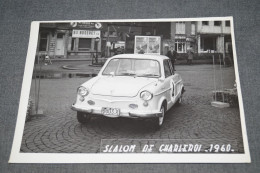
x: 68, y: 67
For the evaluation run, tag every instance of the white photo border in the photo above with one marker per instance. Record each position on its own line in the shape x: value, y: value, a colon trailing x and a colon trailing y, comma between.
x: 18, y: 157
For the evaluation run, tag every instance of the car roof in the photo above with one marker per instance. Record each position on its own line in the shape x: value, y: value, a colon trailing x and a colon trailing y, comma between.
x: 141, y: 56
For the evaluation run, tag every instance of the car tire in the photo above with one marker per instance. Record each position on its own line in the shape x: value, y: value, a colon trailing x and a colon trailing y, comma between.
x: 83, y: 118
x: 159, y: 121
x: 179, y: 101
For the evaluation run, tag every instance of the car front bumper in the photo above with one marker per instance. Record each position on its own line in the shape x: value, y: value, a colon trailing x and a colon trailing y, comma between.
x: 124, y: 113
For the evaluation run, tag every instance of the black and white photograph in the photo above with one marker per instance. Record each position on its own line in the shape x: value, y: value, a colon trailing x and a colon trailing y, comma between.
x: 131, y: 91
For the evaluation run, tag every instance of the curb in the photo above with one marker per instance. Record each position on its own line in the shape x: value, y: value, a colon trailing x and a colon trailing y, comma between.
x: 69, y: 68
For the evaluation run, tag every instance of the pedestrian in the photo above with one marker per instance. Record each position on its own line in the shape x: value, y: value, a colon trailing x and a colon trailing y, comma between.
x: 190, y: 56
x: 172, y: 54
x: 47, y: 60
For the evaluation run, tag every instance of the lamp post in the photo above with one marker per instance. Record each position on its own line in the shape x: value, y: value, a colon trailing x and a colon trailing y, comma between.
x: 96, y: 45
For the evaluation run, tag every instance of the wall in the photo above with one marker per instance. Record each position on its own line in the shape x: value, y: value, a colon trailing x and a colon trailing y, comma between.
x: 211, y: 29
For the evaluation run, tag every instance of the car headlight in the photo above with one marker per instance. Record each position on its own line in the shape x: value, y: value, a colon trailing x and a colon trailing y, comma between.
x: 82, y: 91
x: 146, y: 95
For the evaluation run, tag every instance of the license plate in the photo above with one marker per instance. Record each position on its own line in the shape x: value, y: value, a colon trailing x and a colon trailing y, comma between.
x: 110, y: 111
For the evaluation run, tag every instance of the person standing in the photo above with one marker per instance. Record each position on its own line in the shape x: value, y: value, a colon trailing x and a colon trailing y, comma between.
x: 190, y: 56
x: 172, y: 54
x: 47, y: 60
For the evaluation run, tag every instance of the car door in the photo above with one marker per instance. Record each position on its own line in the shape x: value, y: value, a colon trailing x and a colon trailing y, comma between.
x: 168, y: 83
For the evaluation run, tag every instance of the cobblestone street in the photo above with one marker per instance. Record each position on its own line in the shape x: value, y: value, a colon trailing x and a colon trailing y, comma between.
x: 58, y: 131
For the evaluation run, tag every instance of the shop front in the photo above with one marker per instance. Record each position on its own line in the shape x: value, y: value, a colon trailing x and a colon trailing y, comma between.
x: 213, y: 43
x: 84, y: 43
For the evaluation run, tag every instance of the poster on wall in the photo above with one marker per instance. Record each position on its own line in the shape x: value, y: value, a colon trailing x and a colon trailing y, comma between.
x: 141, y: 44
x: 154, y: 45
x: 133, y: 109
x: 147, y: 45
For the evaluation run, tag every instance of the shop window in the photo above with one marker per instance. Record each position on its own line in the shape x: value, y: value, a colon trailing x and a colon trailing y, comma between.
x: 180, y: 28
x: 217, y: 23
x: 43, y: 42
x: 180, y: 45
x: 208, y: 44
x: 205, y: 22
x: 84, y: 43
x: 227, y: 23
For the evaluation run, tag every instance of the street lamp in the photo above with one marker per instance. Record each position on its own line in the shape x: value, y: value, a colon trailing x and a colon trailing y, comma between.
x: 96, y: 45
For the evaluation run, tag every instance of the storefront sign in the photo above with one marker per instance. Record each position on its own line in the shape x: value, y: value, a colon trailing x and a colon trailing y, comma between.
x: 188, y: 39
x: 180, y: 37
x: 147, y: 44
x: 85, y: 34
x: 119, y: 44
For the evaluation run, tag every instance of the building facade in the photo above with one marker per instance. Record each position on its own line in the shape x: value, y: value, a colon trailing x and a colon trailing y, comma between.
x: 83, y: 39
x: 213, y: 36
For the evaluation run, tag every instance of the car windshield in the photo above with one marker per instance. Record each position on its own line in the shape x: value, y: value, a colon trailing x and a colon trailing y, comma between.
x: 132, y: 67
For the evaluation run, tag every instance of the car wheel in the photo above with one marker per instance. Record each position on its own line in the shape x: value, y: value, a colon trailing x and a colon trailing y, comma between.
x: 159, y: 121
x: 82, y: 117
x: 179, y: 101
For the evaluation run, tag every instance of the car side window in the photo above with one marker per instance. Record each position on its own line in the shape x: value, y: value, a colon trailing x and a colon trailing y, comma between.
x: 167, y: 70
x: 172, y: 71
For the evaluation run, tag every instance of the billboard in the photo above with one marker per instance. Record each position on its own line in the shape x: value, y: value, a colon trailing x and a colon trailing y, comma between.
x: 147, y: 45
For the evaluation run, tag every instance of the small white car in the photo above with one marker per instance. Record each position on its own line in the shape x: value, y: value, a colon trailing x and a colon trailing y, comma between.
x: 131, y: 86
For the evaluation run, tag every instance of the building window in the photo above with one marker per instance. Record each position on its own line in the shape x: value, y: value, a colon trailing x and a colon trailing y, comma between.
x: 180, y: 45
x: 217, y: 23
x: 43, y: 42
x: 205, y: 22
x: 180, y: 28
x: 84, y: 43
x: 193, y: 29
x: 227, y: 23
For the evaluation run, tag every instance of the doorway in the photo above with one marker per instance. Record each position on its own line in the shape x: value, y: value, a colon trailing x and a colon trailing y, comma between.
x: 59, y: 51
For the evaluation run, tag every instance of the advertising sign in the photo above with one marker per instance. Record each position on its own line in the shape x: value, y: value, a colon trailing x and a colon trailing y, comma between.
x: 119, y: 44
x: 154, y: 45
x: 85, y: 34
x: 147, y: 45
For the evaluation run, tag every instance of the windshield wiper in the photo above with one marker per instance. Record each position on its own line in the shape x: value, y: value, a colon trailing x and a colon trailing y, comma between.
x: 127, y: 74
x: 148, y: 75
